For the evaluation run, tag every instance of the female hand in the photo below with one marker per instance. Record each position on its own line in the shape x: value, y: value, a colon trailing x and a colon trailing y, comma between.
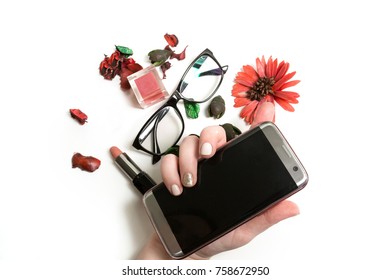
x: 180, y: 172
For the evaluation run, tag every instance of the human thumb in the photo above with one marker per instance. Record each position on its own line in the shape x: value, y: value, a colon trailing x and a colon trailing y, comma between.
x: 265, y: 112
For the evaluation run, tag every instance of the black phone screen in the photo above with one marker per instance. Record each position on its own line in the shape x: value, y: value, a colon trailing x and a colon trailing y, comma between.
x: 239, y: 181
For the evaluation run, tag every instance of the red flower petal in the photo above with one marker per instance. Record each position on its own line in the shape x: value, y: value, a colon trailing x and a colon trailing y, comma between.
x: 240, y: 101
x: 250, y: 117
x: 274, y: 68
x: 289, y: 93
x: 284, y: 104
x: 289, y: 84
x: 282, y: 70
x: 243, y: 79
x: 248, y: 110
x: 268, y: 70
x: 289, y: 96
x: 251, y: 72
x: 284, y: 79
x: 250, y: 79
x: 238, y: 89
x: 260, y: 66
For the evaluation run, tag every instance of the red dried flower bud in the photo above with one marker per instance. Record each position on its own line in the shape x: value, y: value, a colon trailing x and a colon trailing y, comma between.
x: 164, y: 67
x: 171, y: 39
x: 86, y: 163
x: 78, y: 115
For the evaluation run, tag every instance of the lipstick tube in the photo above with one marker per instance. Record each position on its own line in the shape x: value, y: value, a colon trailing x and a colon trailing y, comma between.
x: 141, y: 180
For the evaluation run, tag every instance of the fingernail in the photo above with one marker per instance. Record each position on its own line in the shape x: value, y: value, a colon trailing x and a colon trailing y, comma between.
x: 187, y: 180
x: 175, y: 190
x: 206, y: 149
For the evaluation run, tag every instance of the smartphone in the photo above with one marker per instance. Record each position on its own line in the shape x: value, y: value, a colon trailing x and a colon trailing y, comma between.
x: 245, y: 177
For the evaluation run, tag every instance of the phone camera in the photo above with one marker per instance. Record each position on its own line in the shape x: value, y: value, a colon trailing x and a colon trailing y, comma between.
x: 295, y: 168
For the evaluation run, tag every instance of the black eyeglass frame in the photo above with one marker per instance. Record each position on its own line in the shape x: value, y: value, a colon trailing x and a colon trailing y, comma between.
x: 172, y: 102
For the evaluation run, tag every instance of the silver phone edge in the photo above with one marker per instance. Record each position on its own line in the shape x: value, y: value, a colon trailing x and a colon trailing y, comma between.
x: 285, y: 153
x: 161, y: 225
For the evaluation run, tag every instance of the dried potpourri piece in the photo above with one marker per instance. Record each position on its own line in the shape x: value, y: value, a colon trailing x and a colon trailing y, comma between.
x: 78, y: 115
x: 231, y: 131
x: 217, y: 107
x: 110, y: 66
x: 119, y: 63
x: 125, y: 51
x: 86, y: 163
x: 192, y: 109
x: 164, y: 67
x: 179, y: 56
x: 171, y: 39
x: 128, y: 67
x: 159, y: 57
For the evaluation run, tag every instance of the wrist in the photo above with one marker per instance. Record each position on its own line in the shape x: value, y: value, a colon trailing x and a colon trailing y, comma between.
x: 154, y: 250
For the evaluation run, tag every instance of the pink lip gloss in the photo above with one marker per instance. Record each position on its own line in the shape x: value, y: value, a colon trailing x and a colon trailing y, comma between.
x: 147, y: 86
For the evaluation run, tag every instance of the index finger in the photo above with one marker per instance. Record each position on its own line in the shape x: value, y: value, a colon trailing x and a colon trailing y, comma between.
x: 210, y: 139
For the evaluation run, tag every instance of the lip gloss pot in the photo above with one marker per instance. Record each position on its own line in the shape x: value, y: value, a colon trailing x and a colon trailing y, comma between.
x: 147, y: 86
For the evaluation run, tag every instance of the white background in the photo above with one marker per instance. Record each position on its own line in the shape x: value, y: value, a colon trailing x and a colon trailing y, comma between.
x: 50, y: 53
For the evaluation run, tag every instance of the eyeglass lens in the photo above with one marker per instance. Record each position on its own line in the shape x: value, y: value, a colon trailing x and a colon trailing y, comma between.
x: 201, y: 80
x: 163, y: 131
x: 166, y: 127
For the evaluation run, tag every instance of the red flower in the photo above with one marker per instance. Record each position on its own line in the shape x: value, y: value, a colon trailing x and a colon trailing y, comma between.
x: 265, y: 83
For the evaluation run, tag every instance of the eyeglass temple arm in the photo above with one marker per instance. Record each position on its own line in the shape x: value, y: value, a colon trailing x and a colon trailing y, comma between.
x: 215, y: 72
x: 160, y: 116
x: 156, y: 147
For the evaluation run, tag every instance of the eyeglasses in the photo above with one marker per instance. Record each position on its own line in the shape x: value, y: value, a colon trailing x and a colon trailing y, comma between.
x: 165, y: 127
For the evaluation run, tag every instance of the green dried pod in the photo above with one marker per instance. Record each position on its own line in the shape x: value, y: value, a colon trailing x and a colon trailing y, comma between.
x: 173, y: 150
x: 217, y: 107
x: 125, y: 51
x: 158, y: 57
x: 231, y: 131
x: 192, y: 109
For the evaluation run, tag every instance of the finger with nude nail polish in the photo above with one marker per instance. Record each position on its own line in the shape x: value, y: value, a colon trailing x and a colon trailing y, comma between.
x: 211, y: 138
x: 170, y: 174
x: 188, y: 160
